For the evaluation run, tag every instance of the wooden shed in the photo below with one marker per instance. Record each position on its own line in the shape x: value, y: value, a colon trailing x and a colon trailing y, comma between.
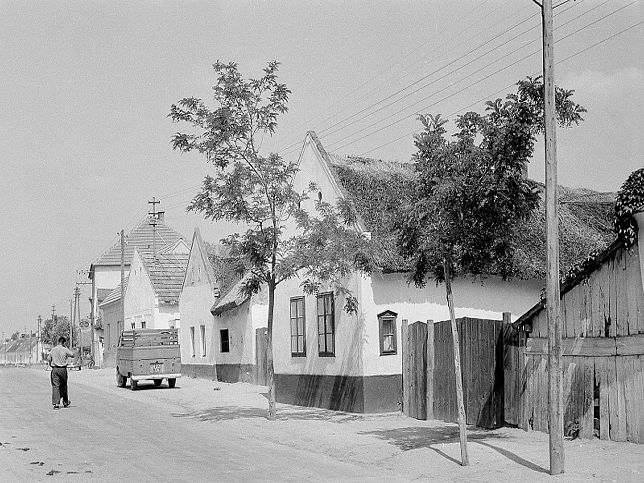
x: 602, y: 309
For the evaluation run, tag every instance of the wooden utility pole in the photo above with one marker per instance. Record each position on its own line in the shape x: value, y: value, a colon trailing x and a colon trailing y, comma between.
x: 122, y: 284
x: 39, y: 341
x: 555, y: 382
x: 154, y: 222
x: 71, y: 317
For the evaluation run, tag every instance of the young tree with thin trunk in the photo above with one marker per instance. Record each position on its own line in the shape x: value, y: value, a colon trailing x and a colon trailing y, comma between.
x: 471, y: 194
x: 281, y: 240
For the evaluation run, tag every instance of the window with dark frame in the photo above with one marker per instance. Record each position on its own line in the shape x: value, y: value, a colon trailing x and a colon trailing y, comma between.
x: 298, y: 327
x: 225, y: 341
x: 202, y: 331
x: 326, y: 325
x: 192, y: 341
x: 387, y: 325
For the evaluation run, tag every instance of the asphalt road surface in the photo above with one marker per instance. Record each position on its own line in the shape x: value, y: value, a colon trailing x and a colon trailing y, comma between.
x: 113, y: 434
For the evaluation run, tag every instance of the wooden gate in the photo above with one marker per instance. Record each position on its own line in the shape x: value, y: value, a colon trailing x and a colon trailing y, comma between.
x: 481, y: 346
x: 414, y: 367
x: 429, y: 387
x: 261, y: 344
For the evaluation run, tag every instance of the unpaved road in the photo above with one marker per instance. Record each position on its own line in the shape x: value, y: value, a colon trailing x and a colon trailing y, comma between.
x: 114, y: 434
x: 210, y: 431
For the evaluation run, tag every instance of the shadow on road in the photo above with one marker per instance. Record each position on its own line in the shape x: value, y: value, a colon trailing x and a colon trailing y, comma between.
x: 223, y: 413
x: 423, y: 437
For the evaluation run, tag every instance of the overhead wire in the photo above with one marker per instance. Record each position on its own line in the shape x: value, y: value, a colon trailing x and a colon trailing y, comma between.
x: 406, y: 135
x: 397, y: 64
x: 469, y: 85
x: 443, y: 76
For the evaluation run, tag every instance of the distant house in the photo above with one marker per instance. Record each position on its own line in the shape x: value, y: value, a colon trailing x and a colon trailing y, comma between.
x: 325, y: 357
x: 218, y: 324
x: 152, y: 292
x: 105, y: 272
x: 24, y: 350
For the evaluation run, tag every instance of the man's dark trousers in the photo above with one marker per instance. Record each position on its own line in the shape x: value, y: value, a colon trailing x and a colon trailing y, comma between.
x: 59, y: 385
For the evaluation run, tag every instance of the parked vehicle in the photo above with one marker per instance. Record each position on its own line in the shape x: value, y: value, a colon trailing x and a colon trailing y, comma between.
x: 148, y: 354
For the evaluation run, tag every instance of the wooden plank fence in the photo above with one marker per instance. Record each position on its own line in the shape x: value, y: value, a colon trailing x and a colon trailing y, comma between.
x: 429, y: 389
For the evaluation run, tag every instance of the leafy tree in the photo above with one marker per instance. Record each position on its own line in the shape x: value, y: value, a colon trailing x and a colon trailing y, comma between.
x: 15, y: 335
x: 283, y: 239
x: 630, y: 200
x: 471, y: 194
x: 52, y: 329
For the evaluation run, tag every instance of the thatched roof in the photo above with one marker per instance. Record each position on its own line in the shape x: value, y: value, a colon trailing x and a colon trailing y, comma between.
x: 379, y: 189
x: 228, y: 273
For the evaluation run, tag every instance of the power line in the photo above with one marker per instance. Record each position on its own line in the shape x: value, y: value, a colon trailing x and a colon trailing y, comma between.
x: 445, y: 75
x: 468, y: 86
x: 398, y: 64
x: 510, y: 85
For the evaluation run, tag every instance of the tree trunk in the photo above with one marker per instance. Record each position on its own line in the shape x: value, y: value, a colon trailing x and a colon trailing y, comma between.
x: 465, y: 461
x: 270, y: 376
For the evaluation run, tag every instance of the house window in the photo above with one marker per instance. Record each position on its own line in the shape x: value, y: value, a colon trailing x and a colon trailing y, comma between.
x: 298, y: 324
x: 387, y: 324
x: 225, y: 341
x: 203, y: 340
x: 326, y: 325
x: 143, y: 324
x: 192, y: 341
x: 133, y: 325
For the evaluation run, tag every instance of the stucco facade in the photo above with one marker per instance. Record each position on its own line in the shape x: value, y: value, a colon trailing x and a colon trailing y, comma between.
x: 202, y: 351
x: 359, y: 376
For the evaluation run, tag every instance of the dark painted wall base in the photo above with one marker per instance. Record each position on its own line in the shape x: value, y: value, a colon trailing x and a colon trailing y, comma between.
x: 221, y: 372
x: 357, y: 394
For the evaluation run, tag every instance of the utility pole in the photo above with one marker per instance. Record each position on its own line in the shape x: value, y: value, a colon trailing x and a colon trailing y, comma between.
x: 154, y: 222
x: 53, y: 313
x: 122, y: 283
x: 553, y: 316
x: 71, y: 317
x: 39, y: 343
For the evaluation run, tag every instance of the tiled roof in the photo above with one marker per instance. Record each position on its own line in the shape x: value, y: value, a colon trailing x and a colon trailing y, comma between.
x: 102, y: 293
x: 140, y: 238
x: 21, y: 345
x: 113, y: 296
x: 167, y: 273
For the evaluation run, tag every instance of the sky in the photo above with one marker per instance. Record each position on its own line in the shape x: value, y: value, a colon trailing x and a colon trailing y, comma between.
x: 87, y: 86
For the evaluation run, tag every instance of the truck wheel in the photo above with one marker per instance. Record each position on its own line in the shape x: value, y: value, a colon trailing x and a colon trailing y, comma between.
x: 120, y: 380
x: 133, y: 385
x: 157, y: 382
x: 171, y: 382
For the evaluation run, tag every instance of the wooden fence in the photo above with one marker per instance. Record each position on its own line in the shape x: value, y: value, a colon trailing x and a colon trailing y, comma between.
x: 603, y: 356
x: 428, y: 363
x: 261, y: 344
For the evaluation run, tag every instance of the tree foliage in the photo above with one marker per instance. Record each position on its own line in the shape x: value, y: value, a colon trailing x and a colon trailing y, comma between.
x: 471, y: 191
x: 630, y: 200
x: 51, y: 330
x: 283, y: 239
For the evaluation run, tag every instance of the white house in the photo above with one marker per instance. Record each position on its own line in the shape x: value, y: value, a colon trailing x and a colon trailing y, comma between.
x: 105, y: 272
x: 327, y: 358
x: 152, y: 292
x: 218, y: 324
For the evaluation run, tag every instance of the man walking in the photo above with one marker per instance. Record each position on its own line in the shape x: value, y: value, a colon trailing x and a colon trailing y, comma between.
x: 58, y: 362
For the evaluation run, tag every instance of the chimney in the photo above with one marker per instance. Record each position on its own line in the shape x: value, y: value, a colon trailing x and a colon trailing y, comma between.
x: 639, y: 218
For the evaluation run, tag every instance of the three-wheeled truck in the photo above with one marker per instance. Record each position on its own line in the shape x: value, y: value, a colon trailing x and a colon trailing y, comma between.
x: 148, y: 354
